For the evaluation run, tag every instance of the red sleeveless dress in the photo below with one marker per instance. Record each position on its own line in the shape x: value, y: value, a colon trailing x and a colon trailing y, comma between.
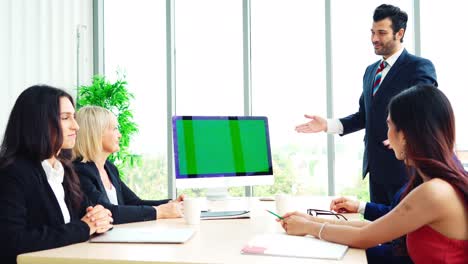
x: 426, y: 245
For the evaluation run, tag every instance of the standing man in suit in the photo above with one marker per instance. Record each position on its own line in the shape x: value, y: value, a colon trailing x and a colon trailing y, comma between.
x: 395, y: 72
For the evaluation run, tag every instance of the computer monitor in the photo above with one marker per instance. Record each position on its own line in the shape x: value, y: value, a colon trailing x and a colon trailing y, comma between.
x: 221, y: 151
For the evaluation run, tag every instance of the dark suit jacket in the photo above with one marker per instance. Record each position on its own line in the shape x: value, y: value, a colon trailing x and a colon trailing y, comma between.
x: 378, y: 160
x: 385, y: 253
x: 30, y: 216
x: 374, y: 211
x: 130, y: 209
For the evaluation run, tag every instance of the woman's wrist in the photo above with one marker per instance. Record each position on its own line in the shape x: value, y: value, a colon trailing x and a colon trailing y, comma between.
x: 314, y: 228
x: 322, y: 227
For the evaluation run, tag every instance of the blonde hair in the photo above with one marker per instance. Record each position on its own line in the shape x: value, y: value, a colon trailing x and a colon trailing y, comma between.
x: 93, y: 121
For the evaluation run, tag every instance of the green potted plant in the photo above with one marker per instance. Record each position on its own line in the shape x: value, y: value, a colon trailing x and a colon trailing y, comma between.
x: 116, y: 98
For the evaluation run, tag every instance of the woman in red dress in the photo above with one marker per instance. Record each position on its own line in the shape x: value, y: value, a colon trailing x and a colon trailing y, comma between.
x: 433, y: 212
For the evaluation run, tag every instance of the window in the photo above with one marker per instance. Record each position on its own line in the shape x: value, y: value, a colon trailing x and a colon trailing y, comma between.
x: 135, y: 47
x: 208, y: 41
x: 441, y: 22
x: 288, y: 81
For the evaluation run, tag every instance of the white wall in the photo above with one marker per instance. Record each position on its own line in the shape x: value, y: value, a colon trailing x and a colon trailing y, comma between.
x: 38, y: 44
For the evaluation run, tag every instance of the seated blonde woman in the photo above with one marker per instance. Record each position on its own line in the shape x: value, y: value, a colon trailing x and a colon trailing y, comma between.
x: 98, y: 138
x: 433, y: 211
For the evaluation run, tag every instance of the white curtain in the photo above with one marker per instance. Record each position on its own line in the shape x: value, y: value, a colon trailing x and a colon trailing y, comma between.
x: 39, y: 44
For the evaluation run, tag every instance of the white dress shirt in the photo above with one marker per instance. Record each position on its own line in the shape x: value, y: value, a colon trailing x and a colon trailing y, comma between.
x: 334, y: 125
x: 55, y: 180
x: 112, y: 195
x: 362, y: 208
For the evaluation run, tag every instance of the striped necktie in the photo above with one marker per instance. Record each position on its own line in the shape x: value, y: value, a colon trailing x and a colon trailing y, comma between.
x: 378, y: 77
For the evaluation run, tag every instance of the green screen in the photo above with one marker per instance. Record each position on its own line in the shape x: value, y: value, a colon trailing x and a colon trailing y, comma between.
x: 210, y: 147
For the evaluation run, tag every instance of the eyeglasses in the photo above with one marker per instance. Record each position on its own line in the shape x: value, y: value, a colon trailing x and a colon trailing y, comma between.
x: 317, y: 212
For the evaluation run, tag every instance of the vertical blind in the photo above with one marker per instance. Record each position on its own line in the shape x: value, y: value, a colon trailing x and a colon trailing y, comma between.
x: 39, y: 44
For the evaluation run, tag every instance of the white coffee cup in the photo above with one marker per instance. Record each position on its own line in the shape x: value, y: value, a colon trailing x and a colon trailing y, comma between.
x: 192, y: 210
x: 283, y: 203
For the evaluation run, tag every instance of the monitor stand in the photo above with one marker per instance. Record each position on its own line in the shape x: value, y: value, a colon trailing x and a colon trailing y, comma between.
x: 217, y: 194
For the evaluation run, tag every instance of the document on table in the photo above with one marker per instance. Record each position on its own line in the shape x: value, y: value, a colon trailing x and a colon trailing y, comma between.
x: 294, y: 246
x: 144, y: 235
x: 225, y: 215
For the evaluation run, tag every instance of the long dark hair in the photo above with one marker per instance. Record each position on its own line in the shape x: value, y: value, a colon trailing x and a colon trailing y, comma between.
x: 34, y: 132
x: 425, y: 116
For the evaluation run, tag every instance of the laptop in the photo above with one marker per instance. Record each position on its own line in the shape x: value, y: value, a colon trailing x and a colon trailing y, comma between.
x: 145, y: 235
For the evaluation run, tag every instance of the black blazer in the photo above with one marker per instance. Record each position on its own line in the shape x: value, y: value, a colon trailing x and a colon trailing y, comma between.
x: 374, y: 211
x: 30, y: 216
x: 386, y: 252
x: 378, y: 160
x: 130, y: 209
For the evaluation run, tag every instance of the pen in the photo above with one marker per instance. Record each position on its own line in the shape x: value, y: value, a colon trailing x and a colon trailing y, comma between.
x: 280, y: 217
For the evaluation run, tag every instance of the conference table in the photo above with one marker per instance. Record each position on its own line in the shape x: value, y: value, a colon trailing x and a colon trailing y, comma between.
x: 215, y: 241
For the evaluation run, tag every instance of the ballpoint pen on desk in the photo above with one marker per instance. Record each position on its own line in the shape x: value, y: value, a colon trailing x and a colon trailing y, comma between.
x: 279, y: 217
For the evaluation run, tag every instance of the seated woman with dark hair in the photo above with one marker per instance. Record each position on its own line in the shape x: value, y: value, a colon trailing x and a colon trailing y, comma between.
x: 40, y: 197
x: 98, y: 138
x: 394, y: 252
x: 433, y: 212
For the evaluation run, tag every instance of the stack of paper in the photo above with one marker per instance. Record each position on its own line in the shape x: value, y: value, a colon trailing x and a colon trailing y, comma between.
x: 294, y: 246
x: 224, y: 215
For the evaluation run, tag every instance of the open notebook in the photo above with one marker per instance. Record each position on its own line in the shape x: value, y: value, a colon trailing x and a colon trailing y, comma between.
x: 294, y: 246
x: 144, y: 235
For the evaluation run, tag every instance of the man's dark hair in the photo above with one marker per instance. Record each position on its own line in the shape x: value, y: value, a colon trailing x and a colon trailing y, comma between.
x: 398, y: 17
